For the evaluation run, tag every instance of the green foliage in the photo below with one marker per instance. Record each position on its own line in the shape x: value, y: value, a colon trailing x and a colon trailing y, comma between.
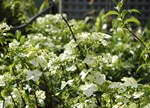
x: 54, y: 68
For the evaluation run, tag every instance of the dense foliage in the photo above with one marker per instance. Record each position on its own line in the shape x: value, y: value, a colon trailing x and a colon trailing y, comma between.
x: 73, y: 64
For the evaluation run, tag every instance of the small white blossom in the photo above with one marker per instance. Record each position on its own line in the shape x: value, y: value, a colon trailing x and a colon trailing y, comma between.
x: 116, y: 85
x: 34, y: 62
x: 84, y: 74
x: 130, y: 82
x: 114, y: 59
x: 33, y: 75
x: 14, y: 44
x: 42, y: 61
x: 100, y: 78
x: 64, y: 83
x: 40, y: 96
x: 72, y: 68
x: 89, y: 59
x: 138, y: 94
x: 88, y: 89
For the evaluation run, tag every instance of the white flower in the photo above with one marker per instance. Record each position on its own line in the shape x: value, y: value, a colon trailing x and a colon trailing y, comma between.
x: 85, y: 35
x: 64, y: 83
x: 72, y: 68
x: 42, y: 61
x: 34, y: 62
x: 78, y: 105
x: 14, y: 44
x: 33, y: 75
x: 130, y: 82
x: 100, y: 78
x: 40, y: 96
x: 84, y: 74
x: 70, y: 46
x: 114, y: 59
x: 8, y: 100
x: 137, y: 94
x: 2, y: 83
x: 88, y: 89
x: 89, y: 59
x: 27, y: 87
x: 116, y: 85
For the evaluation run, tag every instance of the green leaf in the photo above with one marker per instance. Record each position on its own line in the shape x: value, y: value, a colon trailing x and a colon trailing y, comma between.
x: 132, y: 20
x: 141, y: 67
x: 4, y: 93
x: 134, y: 11
x: 119, y: 6
x: 123, y: 14
x: 111, y: 13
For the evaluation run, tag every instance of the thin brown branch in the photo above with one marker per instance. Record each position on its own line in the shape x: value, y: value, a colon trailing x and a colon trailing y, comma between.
x: 86, y: 65
x: 137, y: 38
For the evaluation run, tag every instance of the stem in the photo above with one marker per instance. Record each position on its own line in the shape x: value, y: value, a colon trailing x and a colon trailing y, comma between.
x: 32, y: 19
x: 86, y: 65
x: 137, y: 38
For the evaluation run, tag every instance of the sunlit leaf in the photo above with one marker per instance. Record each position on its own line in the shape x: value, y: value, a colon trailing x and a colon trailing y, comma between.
x: 111, y: 13
x: 132, y: 20
x: 134, y: 11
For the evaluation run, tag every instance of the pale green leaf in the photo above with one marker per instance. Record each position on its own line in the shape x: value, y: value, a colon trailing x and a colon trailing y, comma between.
x: 134, y: 11
x: 111, y: 13
x: 132, y: 20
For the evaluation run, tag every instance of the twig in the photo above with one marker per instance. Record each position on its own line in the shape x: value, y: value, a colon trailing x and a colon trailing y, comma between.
x: 137, y: 38
x: 20, y: 27
x: 86, y: 65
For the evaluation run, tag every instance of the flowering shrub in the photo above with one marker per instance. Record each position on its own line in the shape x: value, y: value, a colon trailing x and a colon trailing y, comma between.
x: 52, y: 69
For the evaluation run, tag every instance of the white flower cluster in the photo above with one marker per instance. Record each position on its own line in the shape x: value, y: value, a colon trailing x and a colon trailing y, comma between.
x: 4, y: 27
x: 50, y: 17
x: 40, y: 96
x: 109, y: 59
x: 128, y: 82
x: 14, y: 44
x: 95, y: 37
x: 92, y: 80
x: 33, y: 75
x: 89, y: 103
x: 69, y: 48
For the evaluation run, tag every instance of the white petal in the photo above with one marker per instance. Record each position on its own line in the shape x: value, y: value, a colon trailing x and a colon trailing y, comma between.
x: 63, y: 84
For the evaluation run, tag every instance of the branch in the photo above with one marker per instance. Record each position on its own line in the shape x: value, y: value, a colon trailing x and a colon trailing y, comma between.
x: 86, y: 65
x: 23, y: 26
x: 137, y: 38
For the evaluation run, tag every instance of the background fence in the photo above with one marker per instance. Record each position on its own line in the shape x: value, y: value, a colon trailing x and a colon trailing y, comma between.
x: 78, y: 9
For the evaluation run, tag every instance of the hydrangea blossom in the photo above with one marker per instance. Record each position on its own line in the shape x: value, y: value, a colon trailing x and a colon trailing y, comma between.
x: 72, y: 68
x: 137, y: 95
x: 33, y: 75
x: 14, y: 44
x: 130, y: 82
x: 88, y: 89
x: 100, y: 78
x: 64, y: 83
x: 40, y: 96
x: 89, y: 59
